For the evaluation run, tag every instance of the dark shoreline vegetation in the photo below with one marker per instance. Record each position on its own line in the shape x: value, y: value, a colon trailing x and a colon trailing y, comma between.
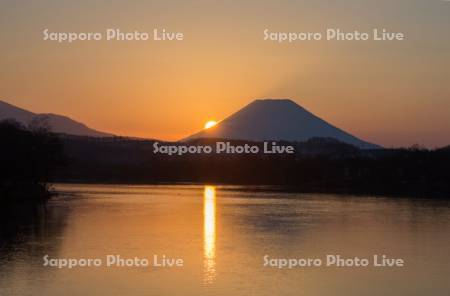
x: 32, y: 157
x: 319, y: 165
x: 28, y: 156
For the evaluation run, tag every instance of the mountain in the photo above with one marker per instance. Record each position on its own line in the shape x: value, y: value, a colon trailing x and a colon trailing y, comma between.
x: 57, y: 123
x: 278, y: 120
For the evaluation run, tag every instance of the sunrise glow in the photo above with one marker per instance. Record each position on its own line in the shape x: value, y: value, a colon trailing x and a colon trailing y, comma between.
x: 210, y: 124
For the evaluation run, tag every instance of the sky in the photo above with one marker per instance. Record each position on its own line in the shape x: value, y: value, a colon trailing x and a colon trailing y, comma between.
x: 393, y: 93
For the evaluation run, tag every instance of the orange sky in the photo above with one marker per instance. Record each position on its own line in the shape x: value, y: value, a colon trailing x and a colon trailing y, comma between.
x: 390, y: 93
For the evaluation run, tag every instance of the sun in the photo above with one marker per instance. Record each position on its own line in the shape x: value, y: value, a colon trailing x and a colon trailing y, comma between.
x: 210, y: 124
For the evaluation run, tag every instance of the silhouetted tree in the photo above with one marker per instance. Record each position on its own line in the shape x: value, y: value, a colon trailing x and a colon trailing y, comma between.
x: 28, y: 156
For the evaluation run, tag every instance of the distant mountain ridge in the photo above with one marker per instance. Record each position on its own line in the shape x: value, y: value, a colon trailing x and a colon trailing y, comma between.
x: 278, y: 120
x: 57, y: 123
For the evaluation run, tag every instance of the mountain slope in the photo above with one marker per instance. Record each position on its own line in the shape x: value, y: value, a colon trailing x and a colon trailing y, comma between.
x: 264, y: 120
x: 57, y: 123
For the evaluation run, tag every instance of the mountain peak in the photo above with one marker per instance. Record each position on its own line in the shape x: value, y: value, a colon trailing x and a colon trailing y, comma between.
x: 271, y: 100
x: 277, y: 120
x: 57, y: 123
x: 275, y: 104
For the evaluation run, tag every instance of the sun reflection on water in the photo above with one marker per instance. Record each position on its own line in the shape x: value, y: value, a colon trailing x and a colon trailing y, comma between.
x: 209, y: 234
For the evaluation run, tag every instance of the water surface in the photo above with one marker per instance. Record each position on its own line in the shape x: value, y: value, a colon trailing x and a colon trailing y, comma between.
x: 222, y: 233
